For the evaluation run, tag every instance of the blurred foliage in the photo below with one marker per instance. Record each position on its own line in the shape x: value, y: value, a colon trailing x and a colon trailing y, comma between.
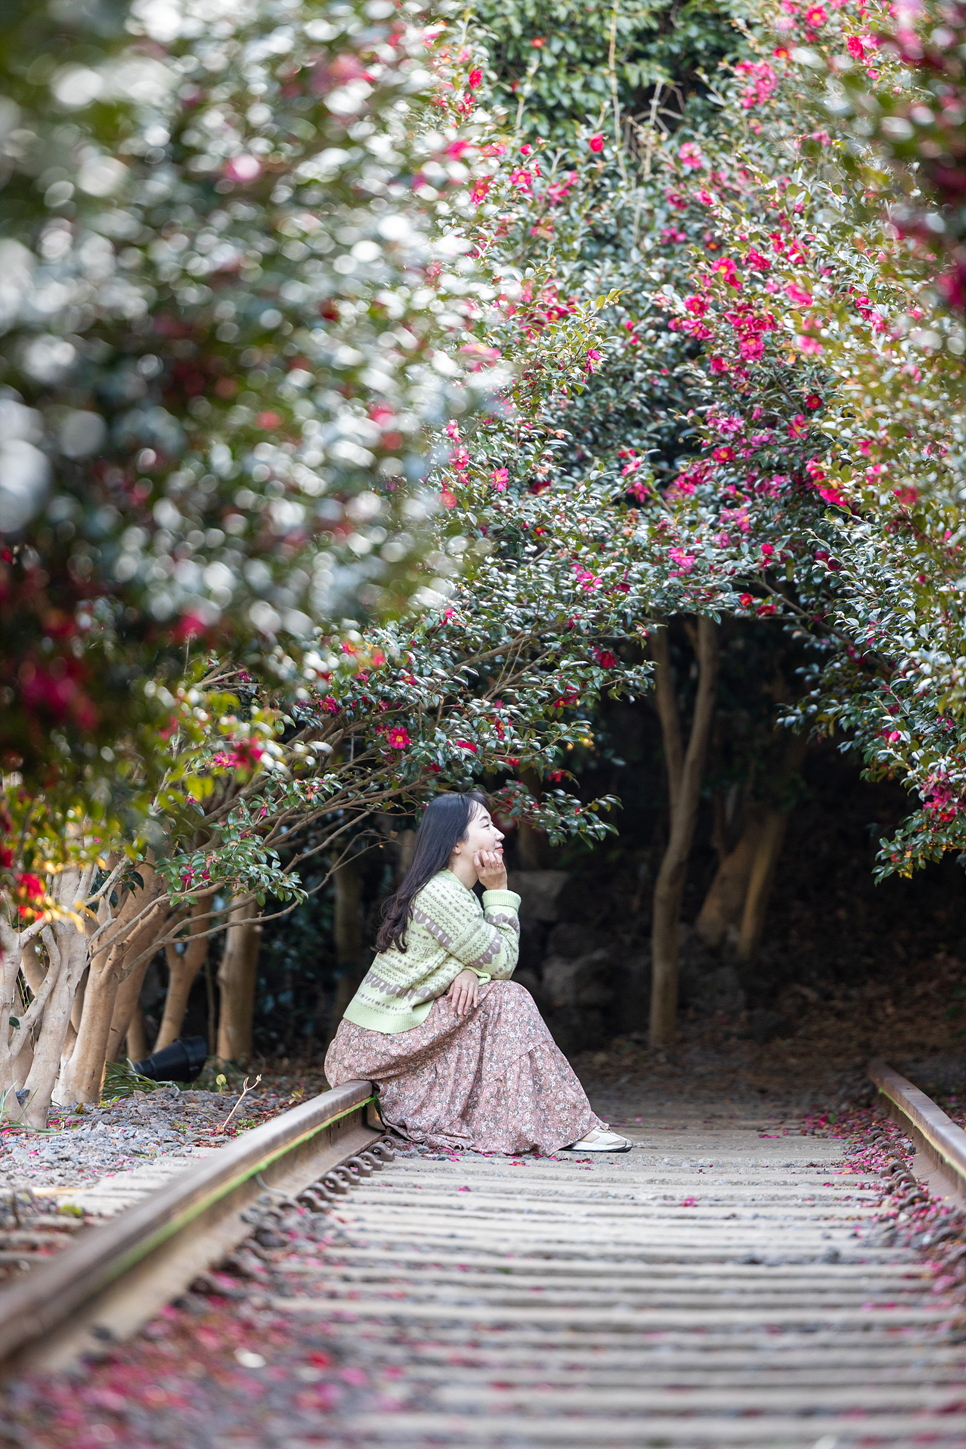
x: 233, y: 291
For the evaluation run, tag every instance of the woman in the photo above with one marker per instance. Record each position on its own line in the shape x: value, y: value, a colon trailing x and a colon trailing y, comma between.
x: 460, y: 1054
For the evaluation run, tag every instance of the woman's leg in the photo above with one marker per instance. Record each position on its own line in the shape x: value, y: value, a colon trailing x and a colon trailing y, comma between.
x: 526, y: 1094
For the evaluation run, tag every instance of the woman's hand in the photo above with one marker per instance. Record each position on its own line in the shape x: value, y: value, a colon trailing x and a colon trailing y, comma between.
x: 490, y: 870
x: 465, y: 991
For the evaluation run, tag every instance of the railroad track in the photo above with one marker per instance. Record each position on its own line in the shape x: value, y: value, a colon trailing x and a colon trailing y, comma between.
x: 726, y: 1285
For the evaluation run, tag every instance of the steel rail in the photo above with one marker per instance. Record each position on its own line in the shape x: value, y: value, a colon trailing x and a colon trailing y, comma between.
x: 940, y: 1145
x: 116, y: 1276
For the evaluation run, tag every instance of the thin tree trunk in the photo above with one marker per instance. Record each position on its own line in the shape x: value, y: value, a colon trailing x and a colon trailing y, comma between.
x: 183, y: 967
x: 685, y: 769
x: 723, y: 904
x: 137, y: 1036
x: 83, y: 1074
x: 759, y: 884
x: 237, y: 976
x: 742, y: 884
x: 347, y: 929
x: 125, y: 1005
x: 66, y: 947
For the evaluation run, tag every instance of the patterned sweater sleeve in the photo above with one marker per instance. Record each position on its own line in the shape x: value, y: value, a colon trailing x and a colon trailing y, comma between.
x: 488, y: 942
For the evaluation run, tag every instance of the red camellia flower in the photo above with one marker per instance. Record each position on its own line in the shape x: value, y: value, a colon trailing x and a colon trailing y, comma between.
x: 746, y: 600
x: 813, y: 401
x: 466, y: 745
x: 476, y: 79
x: 30, y: 893
x: 596, y: 143
x: 724, y: 454
x: 398, y: 737
x: 605, y: 658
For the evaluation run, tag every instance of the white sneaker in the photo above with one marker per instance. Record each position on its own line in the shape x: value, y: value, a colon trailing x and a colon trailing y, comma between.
x: 597, y: 1140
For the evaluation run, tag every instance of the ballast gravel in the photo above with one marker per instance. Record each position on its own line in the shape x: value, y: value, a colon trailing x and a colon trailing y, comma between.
x: 80, y: 1147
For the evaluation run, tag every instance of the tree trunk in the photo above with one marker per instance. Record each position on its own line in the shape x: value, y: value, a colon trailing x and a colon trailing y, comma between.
x: 122, y: 942
x: 684, y: 772
x: 237, y: 978
x: 125, y: 1005
x: 137, y: 1036
x: 723, y: 904
x: 66, y: 947
x: 183, y: 967
x: 759, y: 884
x: 347, y: 880
x: 741, y: 887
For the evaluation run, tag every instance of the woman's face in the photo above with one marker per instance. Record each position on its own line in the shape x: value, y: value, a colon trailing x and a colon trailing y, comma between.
x: 481, y: 834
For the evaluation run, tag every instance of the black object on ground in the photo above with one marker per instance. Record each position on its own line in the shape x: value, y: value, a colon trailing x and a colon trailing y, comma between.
x: 182, y: 1061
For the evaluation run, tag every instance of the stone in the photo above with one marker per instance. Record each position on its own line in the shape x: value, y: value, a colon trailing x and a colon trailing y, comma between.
x: 571, y: 939
x: 581, y: 981
x: 539, y: 892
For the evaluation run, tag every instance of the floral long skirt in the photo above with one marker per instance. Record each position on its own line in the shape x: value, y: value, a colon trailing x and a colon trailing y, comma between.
x: 491, y: 1080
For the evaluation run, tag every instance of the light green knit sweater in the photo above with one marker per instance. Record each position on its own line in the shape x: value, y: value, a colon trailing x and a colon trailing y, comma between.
x: 448, y: 930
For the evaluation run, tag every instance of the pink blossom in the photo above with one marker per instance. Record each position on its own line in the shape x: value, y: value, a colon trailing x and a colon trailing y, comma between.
x: 397, y: 737
x: 690, y: 156
x: 475, y: 79
x: 499, y: 479
x: 596, y: 143
x: 593, y: 357
x: 798, y: 295
x: 243, y: 169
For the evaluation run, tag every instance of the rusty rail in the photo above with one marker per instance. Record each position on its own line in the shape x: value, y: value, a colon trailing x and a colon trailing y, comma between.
x: 116, y: 1276
x: 940, y: 1144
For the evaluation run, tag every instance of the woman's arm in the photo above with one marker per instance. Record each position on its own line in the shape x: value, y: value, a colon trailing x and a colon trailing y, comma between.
x: 488, y: 944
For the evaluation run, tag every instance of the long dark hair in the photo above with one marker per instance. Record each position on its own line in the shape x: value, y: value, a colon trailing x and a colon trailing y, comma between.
x: 443, y: 825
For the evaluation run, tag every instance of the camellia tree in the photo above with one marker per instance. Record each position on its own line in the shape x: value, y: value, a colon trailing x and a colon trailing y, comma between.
x: 828, y: 389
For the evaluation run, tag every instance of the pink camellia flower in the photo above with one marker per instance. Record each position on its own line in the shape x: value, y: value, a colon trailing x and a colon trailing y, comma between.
x: 724, y: 454
x: 397, y: 737
x: 815, y: 16
x: 593, y: 357
x: 596, y: 143
x: 605, y: 658
x: 499, y: 479
x: 810, y: 345
x: 476, y: 79
x: 243, y: 169
x: 690, y: 156
x: 798, y: 295
x: 746, y: 600
x: 798, y: 426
